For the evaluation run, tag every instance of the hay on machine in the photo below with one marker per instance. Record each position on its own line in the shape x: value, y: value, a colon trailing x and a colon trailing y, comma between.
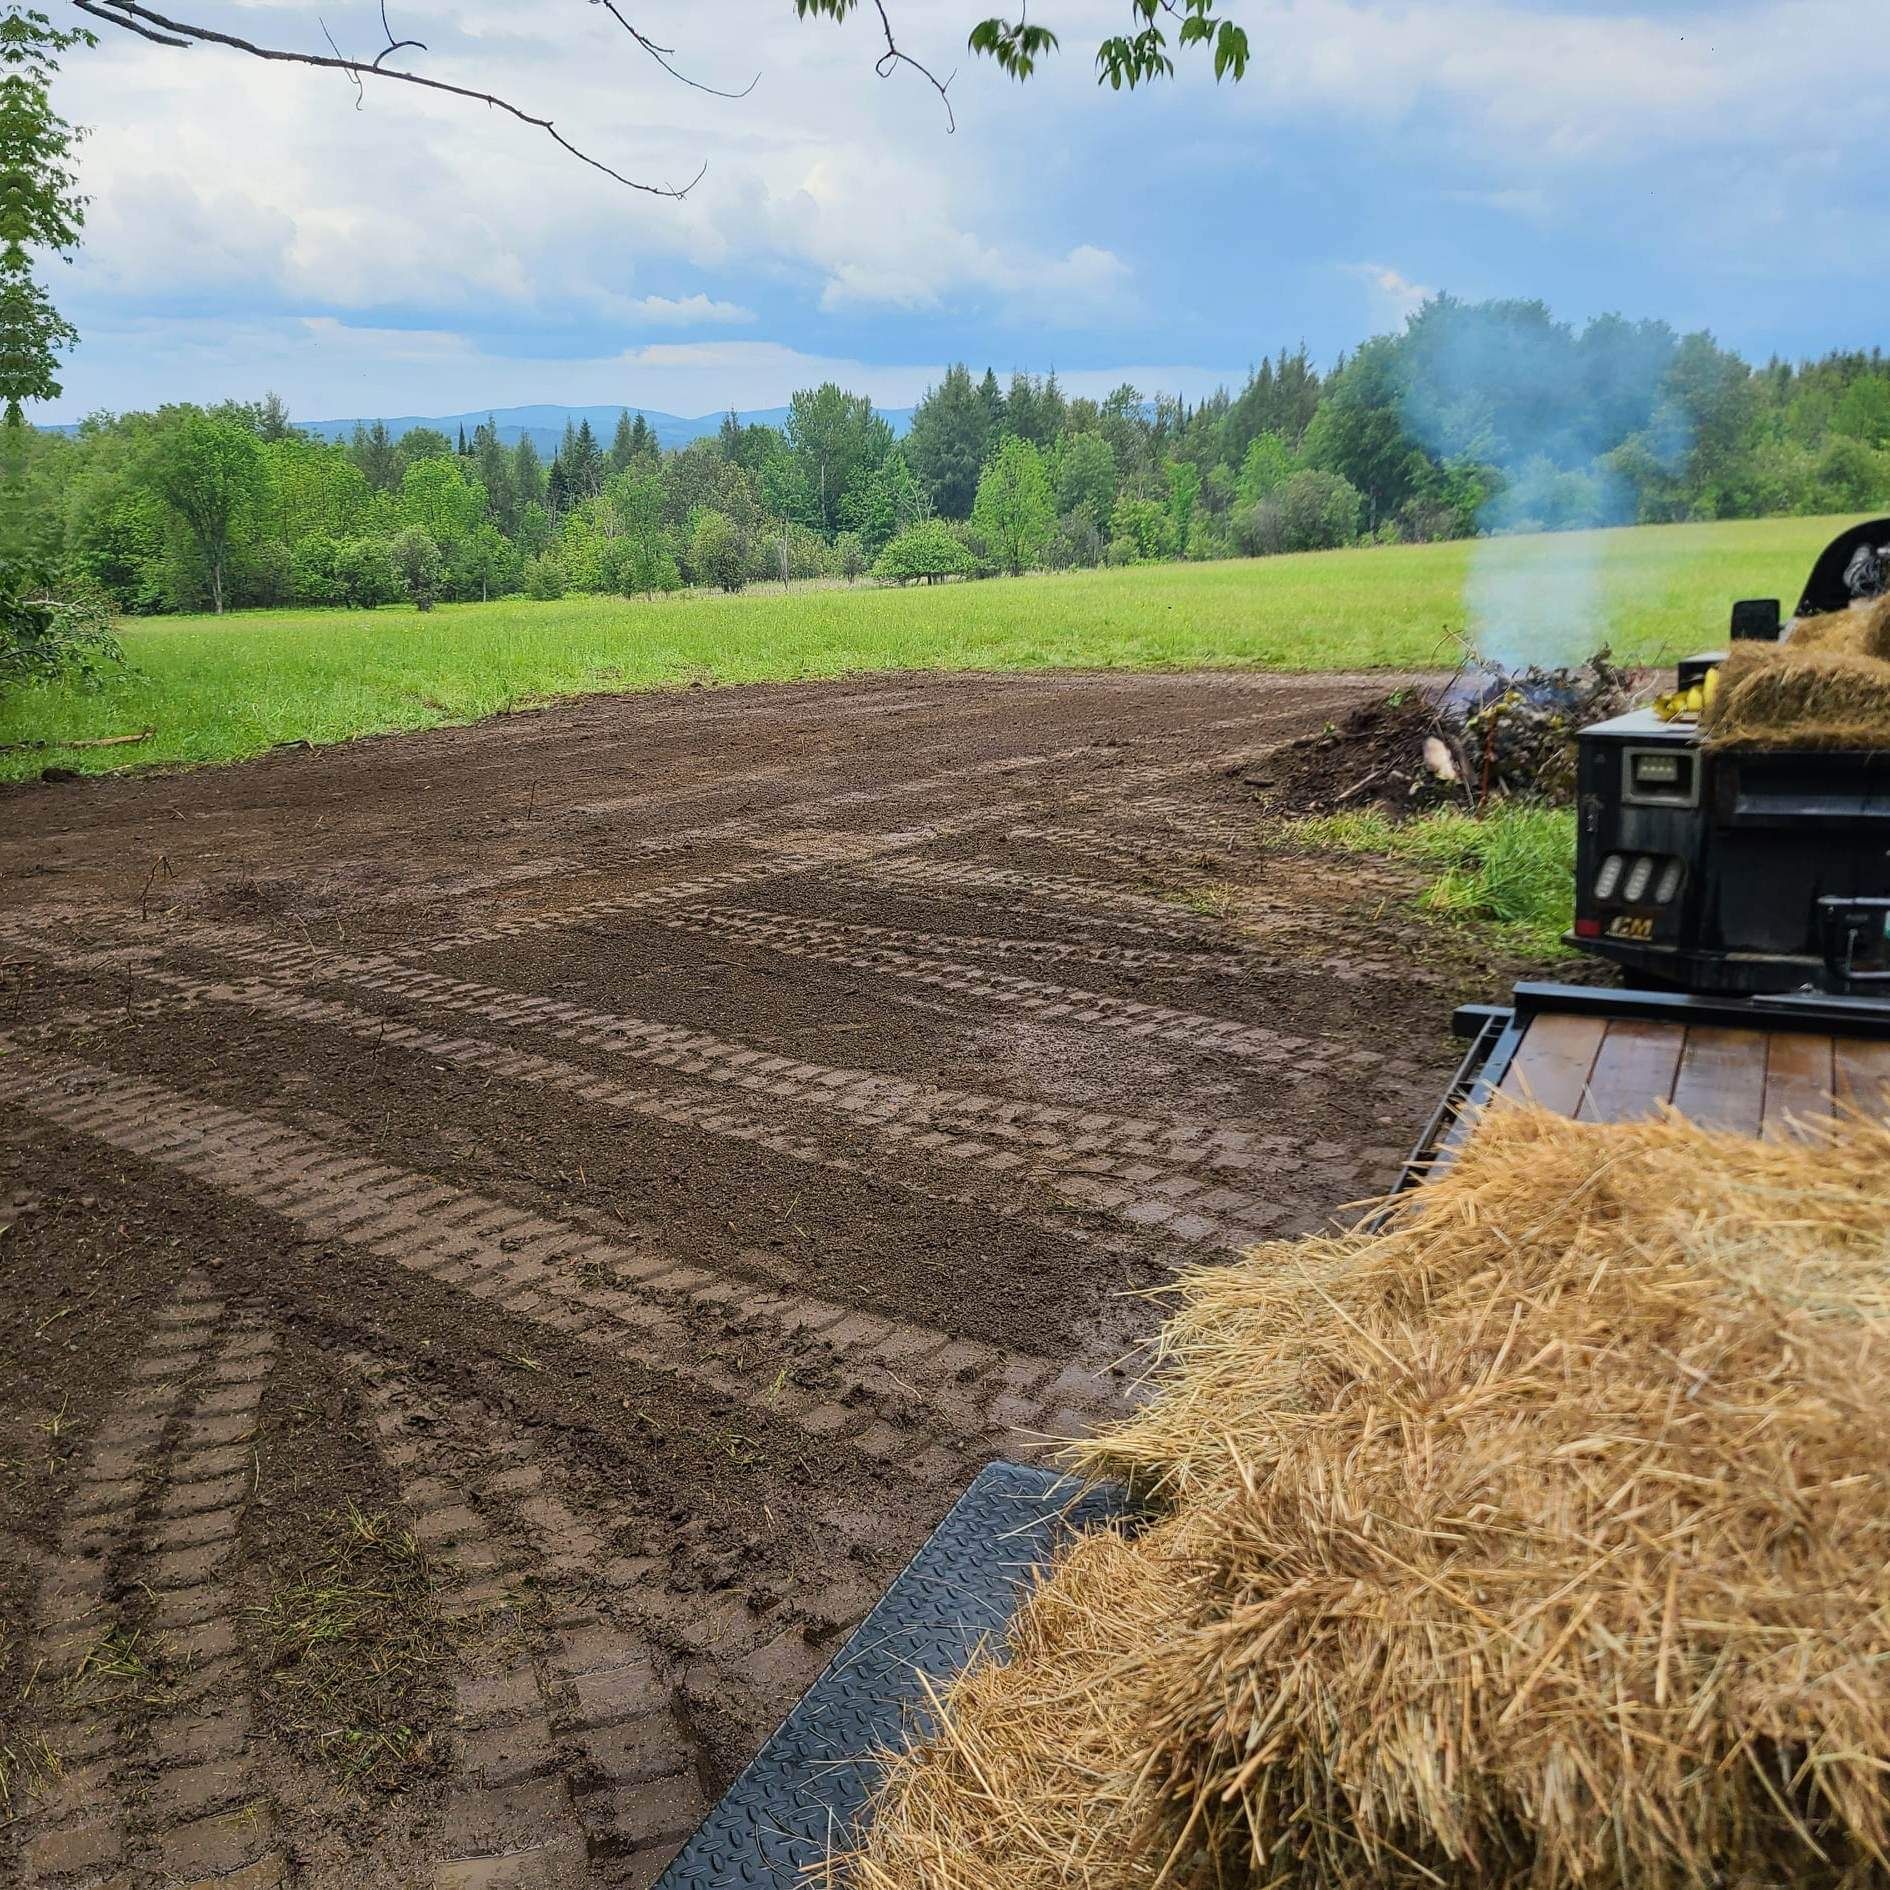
x: 1541, y: 1537
x: 1826, y: 686
x: 1793, y: 696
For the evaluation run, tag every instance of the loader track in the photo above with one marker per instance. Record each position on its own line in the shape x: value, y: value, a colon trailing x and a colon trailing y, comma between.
x: 645, y: 1156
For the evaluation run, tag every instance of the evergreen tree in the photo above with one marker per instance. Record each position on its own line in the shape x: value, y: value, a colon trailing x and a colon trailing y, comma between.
x: 372, y: 449
x: 463, y: 448
x: 495, y: 474
x: 528, y: 474
x: 584, y: 464
x: 991, y: 399
x: 623, y: 445
x: 643, y: 440
x: 1034, y: 410
x: 557, y: 488
x: 945, y: 446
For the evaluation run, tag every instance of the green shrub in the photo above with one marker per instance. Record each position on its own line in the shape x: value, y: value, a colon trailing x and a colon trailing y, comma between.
x: 1140, y: 531
x: 718, y: 552
x: 925, y: 552
x: 544, y: 577
x: 417, y: 558
x: 365, y: 574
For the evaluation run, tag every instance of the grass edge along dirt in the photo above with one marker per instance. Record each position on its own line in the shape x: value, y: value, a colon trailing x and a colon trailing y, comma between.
x: 1510, y: 868
x: 211, y: 689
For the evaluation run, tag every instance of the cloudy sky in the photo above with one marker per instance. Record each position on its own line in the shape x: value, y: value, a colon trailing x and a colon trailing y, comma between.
x: 252, y: 228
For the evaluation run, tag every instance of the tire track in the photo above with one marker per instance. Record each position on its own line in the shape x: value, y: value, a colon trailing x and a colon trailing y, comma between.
x: 711, y: 1117
x: 210, y: 1817
x: 1302, y: 1059
x: 509, y: 1815
x: 1183, y: 1179
x: 536, y: 1269
x: 945, y: 944
x: 1054, y: 889
x: 80, y: 1828
x: 871, y: 1094
x: 792, y: 854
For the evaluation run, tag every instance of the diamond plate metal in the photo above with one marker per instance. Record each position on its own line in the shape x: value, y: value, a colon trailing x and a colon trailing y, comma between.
x: 806, y: 1788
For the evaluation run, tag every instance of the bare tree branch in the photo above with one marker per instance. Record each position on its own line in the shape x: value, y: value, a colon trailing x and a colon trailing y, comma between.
x: 892, y: 57
x: 394, y: 45
x: 149, y: 24
x: 664, y: 54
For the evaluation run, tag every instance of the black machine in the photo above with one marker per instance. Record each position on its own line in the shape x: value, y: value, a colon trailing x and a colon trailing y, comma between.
x: 1724, y: 870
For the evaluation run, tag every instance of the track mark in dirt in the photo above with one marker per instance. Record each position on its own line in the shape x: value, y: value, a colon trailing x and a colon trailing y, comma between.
x: 842, y: 933
x: 1182, y: 1180
x: 570, y: 1749
x: 536, y: 1270
x: 791, y: 854
x: 962, y: 1159
x: 210, y: 1818
x: 508, y: 1817
x: 1300, y: 1059
x: 79, y: 1829
x: 1052, y: 888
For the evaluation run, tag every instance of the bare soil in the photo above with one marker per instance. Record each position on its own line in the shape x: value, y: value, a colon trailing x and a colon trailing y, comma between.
x: 511, y: 1235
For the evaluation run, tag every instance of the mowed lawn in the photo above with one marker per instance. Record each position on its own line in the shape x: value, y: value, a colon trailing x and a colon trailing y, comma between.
x: 217, y: 689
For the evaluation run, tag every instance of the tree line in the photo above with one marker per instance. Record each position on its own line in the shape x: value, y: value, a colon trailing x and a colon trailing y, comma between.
x: 1477, y: 417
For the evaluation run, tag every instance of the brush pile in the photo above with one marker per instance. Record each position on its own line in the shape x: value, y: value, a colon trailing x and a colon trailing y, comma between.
x: 1512, y: 732
x: 1826, y: 686
x: 1540, y: 1538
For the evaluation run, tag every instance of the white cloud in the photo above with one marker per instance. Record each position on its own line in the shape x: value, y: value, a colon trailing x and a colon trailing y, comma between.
x: 1546, y: 85
x: 689, y: 311
x: 828, y: 183
x: 1393, y: 294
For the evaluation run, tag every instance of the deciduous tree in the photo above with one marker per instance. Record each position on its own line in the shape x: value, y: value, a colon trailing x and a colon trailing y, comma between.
x: 1015, y: 511
x: 209, y: 472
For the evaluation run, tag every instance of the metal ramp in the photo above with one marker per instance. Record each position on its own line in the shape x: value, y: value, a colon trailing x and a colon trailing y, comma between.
x: 804, y: 1791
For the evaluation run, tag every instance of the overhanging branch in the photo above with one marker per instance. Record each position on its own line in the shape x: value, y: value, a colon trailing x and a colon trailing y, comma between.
x: 133, y: 17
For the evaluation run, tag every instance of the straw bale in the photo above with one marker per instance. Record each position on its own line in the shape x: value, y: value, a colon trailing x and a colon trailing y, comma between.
x: 1539, y: 1539
x: 1785, y: 696
x: 1862, y: 630
x: 1033, y: 1781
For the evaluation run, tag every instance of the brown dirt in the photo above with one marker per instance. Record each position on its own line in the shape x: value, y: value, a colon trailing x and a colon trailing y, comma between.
x: 600, y: 1182
x: 1372, y: 756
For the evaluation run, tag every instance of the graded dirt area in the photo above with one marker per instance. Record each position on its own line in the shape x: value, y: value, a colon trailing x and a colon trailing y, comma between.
x: 513, y: 1234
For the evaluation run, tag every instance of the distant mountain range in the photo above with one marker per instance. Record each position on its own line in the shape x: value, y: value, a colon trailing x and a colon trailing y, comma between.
x: 544, y: 426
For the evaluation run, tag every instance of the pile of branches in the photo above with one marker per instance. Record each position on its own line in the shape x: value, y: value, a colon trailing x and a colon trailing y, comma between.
x: 1512, y: 732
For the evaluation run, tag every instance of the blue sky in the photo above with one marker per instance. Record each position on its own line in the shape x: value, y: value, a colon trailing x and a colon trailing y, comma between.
x: 1720, y: 166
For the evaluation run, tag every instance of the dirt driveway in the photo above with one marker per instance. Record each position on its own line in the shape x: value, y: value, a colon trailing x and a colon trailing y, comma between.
x: 515, y: 1233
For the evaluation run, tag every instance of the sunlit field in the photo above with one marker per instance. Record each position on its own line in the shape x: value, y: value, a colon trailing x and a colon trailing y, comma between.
x: 217, y: 689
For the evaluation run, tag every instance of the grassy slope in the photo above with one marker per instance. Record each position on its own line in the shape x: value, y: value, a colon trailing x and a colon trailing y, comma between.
x: 217, y: 689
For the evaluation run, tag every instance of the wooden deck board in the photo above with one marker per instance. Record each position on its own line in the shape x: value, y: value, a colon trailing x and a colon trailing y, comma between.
x: 1634, y: 1071
x: 1863, y: 1075
x: 1721, y: 1081
x: 1799, y: 1080
x: 1552, y: 1063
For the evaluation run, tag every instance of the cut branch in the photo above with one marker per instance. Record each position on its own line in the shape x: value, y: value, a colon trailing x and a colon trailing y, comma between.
x: 147, y: 23
x: 892, y: 57
x: 664, y: 54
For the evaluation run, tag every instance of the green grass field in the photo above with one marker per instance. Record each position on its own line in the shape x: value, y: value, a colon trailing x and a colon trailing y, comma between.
x: 217, y: 689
